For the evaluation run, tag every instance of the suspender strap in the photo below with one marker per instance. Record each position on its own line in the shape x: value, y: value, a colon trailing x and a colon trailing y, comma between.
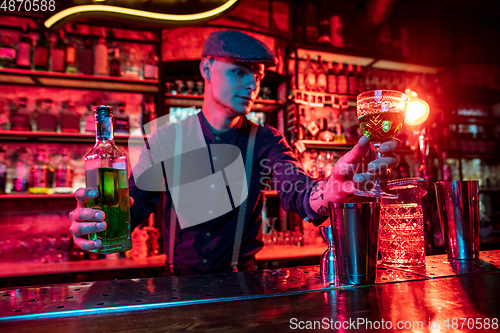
x: 175, y: 188
x: 171, y: 242
x: 243, y: 207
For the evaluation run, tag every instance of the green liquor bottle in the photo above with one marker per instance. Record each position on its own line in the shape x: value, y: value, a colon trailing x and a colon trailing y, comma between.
x: 106, y: 169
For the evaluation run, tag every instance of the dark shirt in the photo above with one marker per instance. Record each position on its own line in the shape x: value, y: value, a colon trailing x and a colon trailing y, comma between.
x: 208, y: 247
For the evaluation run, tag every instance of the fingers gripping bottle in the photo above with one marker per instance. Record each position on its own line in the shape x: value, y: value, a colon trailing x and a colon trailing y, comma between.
x: 106, y: 169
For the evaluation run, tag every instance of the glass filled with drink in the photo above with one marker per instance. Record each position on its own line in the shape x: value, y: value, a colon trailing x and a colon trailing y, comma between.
x: 401, y: 230
x: 380, y: 114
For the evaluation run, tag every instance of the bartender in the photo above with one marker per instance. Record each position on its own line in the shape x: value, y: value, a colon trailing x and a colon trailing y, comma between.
x: 233, y: 65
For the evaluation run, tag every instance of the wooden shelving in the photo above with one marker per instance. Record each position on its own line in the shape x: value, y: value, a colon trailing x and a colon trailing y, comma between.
x: 72, y: 81
x: 53, y: 137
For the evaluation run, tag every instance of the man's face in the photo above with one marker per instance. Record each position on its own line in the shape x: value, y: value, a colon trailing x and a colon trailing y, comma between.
x: 235, y: 85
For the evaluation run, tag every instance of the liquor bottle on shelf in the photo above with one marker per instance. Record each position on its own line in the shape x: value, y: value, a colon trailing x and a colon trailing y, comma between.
x: 321, y: 79
x: 59, y: 54
x: 302, y: 132
x: 87, y: 121
x: 332, y: 78
x: 339, y: 134
x: 200, y: 88
x: 42, y: 53
x: 342, y: 84
x: 41, y: 174
x: 7, y: 53
x: 151, y: 67
x: 70, y: 119
x: 85, y: 58
x: 101, y: 57
x: 106, y: 169
x: 190, y: 88
x: 352, y: 80
x: 20, y: 182
x: 64, y: 174
x: 320, y: 165
x: 360, y: 79
x: 133, y: 65
x: 309, y: 75
x: 3, y: 170
x: 297, y: 82
x: 71, y: 63
x: 329, y: 163
x: 4, y: 117
x: 326, y: 134
x: 313, y: 167
x: 115, y: 64
x: 310, y: 124
x: 149, y: 114
x: 47, y: 121
x: 24, y: 49
x: 20, y: 117
x: 121, y: 120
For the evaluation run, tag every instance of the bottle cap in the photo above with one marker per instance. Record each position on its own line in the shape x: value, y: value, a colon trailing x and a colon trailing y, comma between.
x: 103, y: 111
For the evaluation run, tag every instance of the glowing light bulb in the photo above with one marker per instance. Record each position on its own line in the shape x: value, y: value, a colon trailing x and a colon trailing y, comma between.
x: 417, y: 111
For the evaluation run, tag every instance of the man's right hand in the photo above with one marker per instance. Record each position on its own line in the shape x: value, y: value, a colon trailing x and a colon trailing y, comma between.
x: 86, y: 221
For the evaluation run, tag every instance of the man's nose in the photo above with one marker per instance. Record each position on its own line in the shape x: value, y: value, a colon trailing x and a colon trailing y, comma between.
x: 251, y: 84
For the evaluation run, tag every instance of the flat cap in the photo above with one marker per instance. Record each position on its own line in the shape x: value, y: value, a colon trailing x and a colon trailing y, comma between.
x: 238, y: 46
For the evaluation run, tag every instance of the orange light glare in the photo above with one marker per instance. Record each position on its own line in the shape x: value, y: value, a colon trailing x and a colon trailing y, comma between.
x: 417, y: 111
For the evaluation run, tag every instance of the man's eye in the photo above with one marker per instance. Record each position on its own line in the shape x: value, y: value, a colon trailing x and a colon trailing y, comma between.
x: 238, y: 71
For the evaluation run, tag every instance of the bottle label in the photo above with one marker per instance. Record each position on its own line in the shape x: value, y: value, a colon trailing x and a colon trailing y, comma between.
x: 313, y: 128
x: 101, y: 60
x: 150, y: 72
x: 71, y: 55
x: 7, y: 53
x: 24, y: 55
x: 58, y: 60
x: 332, y: 83
x: 310, y: 81
x: 119, y: 165
x: 321, y: 82
x: 89, y: 124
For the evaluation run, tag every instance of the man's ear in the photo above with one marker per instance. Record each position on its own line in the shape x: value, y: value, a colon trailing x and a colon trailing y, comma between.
x: 206, y: 68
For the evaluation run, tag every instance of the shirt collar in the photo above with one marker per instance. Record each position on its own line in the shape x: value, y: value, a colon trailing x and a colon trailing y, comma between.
x: 226, y: 136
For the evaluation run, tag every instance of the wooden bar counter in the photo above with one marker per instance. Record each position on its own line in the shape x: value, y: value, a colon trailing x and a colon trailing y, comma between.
x: 440, y: 297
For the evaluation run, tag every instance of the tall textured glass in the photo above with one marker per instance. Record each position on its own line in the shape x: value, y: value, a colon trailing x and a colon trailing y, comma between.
x: 106, y: 169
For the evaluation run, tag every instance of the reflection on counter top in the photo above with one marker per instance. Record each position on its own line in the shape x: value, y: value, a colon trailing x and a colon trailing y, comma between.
x: 397, y: 294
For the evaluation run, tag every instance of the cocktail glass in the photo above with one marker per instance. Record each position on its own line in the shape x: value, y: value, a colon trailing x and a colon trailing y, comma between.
x: 380, y: 114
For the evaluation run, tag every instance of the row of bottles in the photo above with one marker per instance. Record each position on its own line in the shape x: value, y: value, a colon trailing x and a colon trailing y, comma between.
x: 319, y: 164
x: 40, y: 176
x: 77, y: 55
x: 197, y: 88
x: 326, y: 124
x: 17, y: 117
x: 329, y: 77
x: 350, y: 79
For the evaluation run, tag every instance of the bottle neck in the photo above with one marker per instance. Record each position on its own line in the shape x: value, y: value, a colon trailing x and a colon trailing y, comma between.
x: 104, y: 130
